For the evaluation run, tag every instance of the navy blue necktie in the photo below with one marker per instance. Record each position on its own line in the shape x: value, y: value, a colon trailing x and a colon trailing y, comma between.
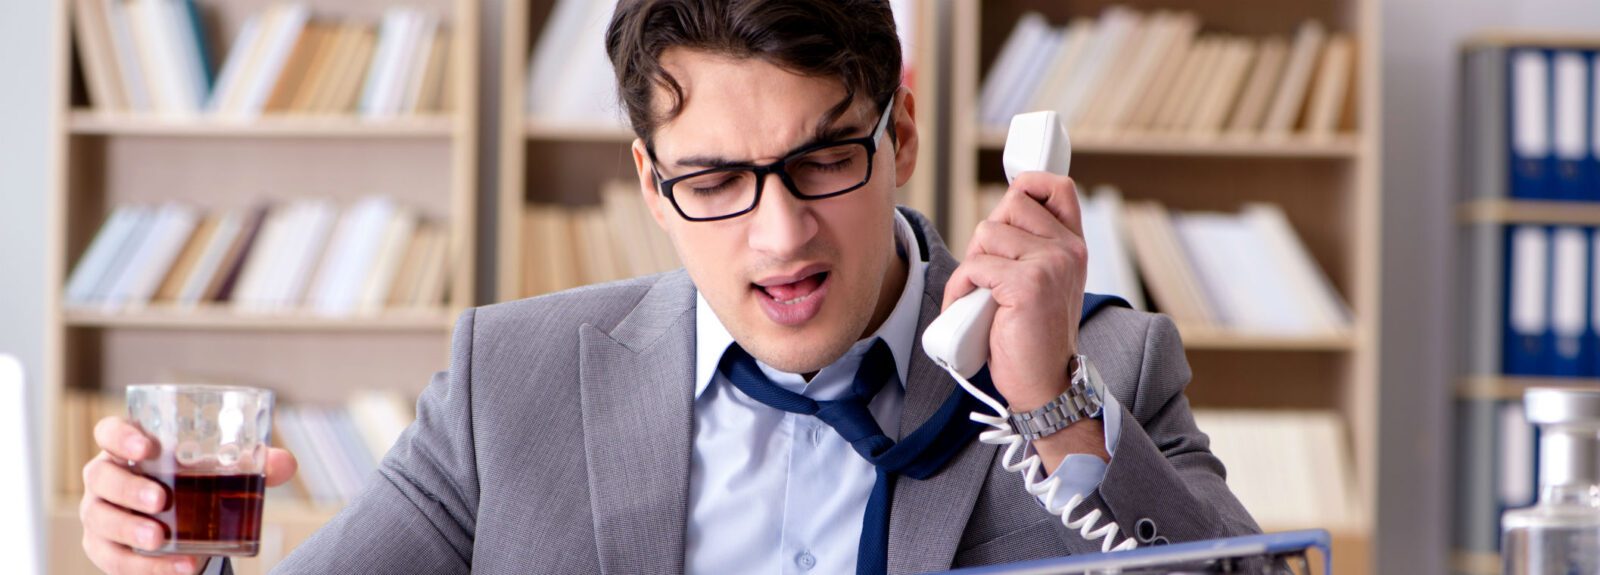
x: 918, y: 455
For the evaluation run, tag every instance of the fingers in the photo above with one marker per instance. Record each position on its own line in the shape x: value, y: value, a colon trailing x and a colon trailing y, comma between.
x: 1007, y: 241
x: 281, y: 466
x: 114, y: 558
x: 108, y: 480
x: 1014, y: 283
x: 958, y: 285
x: 106, y: 521
x: 123, y: 440
x: 1056, y: 194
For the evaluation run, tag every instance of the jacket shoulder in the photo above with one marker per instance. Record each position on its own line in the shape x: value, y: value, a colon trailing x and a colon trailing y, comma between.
x: 600, y: 305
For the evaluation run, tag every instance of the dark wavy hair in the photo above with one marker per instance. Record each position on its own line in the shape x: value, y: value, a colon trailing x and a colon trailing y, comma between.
x: 853, y: 41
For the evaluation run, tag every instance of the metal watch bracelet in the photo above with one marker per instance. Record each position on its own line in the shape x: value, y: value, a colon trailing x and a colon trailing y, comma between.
x: 1081, y: 400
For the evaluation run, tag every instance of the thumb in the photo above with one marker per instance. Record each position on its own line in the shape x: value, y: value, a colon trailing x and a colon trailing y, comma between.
x: 958, y: 285
x: 281, y: 466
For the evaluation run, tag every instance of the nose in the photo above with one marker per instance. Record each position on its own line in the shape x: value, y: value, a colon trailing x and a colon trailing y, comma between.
x: 782, y: 223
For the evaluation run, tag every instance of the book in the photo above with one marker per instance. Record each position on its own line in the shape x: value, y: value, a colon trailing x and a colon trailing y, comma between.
x: 240, y: 56
x: 232, y: 264
x: 142, y: 22
x: 1169, y: 276
x: 1289, y: 99
x: 388, y: 61
x: 251, y: 292
x: 317, y: 70
x: 397, y: 231
x: 1116, y: 22
x: 570, y: 78
x: 1110, y: 267
x: 408, y: 277
x: 124, y: 255
x: 184, y: 265
x: 272, y: 57
x: 1169, y: 29
x: 92, y: 33
x: 1289, y: 468
x: 309, y: 236
x: 185, y: 46
x: 1265, y: 74
x: 433, y: 279
x: 1074, y: 41
x: 130, y: 67
x: 1570, y: 122
x: 1139, y: 40
x: 431, y: 96
x: 1308, y: 284
x: 296, y: 70
x: 344, y: 94
x: 1331, y: 88
x: 170, y: 228
x: 353, y: 251
x: 1166, y: 73
x: 1215, y: 100
x: 227, y: 232
x: 416, y: 66
x: 98, y: 260
x: 1190, y: 74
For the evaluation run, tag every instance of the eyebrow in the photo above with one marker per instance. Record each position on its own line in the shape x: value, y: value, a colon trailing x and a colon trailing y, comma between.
x: 823, y: 133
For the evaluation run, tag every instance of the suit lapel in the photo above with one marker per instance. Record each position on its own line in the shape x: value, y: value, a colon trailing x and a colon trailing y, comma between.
x: 637, y: 386
x: 928, y: 517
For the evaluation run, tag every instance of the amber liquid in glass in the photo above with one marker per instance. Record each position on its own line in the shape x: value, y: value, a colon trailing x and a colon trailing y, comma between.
x: 212, y: 514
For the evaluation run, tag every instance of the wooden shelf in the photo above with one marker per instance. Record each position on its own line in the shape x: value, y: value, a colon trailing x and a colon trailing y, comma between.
x: 1512, y: 387
x: 223, y: 318
x: 542, y: 131
x: 1475, y: 563
x: 1225, y: 339
x: 1342, y: 146
x: 1530, y: 212
x: 92, y: 123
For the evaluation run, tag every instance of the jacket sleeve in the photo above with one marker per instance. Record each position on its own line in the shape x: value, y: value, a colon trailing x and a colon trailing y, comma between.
x: 1164, y: 484
x: 417, y: 514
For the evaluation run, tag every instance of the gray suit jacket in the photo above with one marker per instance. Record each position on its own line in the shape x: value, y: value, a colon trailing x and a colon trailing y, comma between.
x: 559, y: 442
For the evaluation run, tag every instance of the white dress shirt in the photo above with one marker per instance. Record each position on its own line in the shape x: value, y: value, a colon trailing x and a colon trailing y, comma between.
x: 778, y: 492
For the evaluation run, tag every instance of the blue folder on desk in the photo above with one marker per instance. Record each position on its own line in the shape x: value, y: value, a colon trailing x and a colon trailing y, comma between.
x: 1273, y: 551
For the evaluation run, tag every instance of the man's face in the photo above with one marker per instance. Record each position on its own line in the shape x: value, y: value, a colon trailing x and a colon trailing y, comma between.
x: 796, y: 282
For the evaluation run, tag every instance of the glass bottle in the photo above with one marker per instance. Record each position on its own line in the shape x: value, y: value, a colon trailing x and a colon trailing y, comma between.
x: 1560, y: 534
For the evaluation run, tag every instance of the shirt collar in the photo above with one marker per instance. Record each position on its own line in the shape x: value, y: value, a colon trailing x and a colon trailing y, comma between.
x: 899, y: 330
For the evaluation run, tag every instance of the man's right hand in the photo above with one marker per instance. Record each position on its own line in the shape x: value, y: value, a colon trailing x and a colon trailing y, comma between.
x: 117, y: 502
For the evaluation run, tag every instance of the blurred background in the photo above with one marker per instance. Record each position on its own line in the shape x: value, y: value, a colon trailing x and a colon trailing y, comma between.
x: 1372, y: 220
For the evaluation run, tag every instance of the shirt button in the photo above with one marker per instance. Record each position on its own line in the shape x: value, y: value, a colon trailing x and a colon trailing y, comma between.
x: 816, y: 435
x: 805, y: 560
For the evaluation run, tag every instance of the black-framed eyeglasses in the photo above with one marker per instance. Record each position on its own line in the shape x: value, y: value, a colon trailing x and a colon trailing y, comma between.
x: 815, y: 172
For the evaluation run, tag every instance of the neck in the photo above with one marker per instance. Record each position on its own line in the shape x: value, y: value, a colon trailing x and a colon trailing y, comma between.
x: 894, y: 282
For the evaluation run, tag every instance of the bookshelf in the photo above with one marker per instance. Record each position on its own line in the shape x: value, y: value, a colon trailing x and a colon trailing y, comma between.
x: 107, y: 158
x: 1523, y: 198
x: 538, y: 157
x: 1325, y: 183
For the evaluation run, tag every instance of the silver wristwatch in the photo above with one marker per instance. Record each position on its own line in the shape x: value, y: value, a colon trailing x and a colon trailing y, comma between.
x: 1082, y: 399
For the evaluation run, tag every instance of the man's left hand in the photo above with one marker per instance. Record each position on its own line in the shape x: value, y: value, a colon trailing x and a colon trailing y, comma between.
x: 1031, y: 254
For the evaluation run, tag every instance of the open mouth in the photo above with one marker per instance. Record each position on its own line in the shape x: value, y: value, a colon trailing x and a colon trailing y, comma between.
x: 795, y: 292
x: 793, y: 302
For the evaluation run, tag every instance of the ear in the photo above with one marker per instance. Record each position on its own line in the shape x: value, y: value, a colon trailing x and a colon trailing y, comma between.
x: 904, y: 125
x: 647, y: 184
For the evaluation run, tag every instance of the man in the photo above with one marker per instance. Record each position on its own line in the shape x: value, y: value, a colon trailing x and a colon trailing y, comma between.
x: 691, y: 421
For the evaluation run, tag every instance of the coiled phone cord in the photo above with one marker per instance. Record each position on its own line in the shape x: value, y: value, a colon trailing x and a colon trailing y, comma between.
x: 1017, y: 459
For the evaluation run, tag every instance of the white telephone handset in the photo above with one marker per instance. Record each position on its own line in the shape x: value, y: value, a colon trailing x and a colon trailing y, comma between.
x: 958, y: 340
